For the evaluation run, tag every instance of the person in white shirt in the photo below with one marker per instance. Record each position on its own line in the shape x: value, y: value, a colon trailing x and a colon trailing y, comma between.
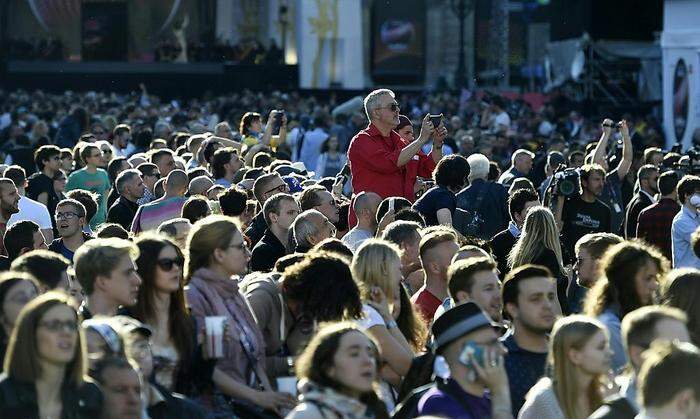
x: 365, y: 206
x: 310, y: 148
x: 29, y: 209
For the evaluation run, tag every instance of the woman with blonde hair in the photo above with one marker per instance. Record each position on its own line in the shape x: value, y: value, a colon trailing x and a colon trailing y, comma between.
x: 577, y: 365
x: 216, y: 257
x: 630, y: 279
x: 376, y: 267
x: 539, y: 244
x: 45, y: 364
x: 337, y: 373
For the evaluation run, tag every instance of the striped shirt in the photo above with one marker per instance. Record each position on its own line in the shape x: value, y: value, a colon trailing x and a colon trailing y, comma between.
x: 150, y: 216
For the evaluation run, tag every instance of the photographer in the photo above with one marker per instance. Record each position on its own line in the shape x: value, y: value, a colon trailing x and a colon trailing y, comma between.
x: 577, y: 215
x: 612, y: 189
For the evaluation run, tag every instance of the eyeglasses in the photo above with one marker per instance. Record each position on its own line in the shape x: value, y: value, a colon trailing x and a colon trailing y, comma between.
x: 167, y: 264
x: 394, y: 107
x: 70, y: 326
x: 66, y: 215
x: 281, y: 188
x: 106, y: 151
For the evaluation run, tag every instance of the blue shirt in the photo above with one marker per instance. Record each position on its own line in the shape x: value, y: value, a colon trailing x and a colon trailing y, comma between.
x: 436, y: 402
x: 524, y: 369
x: 223, y: 182
x: 684, y: 224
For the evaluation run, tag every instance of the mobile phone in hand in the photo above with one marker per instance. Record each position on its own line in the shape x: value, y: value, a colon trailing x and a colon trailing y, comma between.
x: 475, y: 350
x: 435, y: 119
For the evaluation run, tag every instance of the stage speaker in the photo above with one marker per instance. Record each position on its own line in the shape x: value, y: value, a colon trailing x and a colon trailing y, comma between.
x: 105, y: 31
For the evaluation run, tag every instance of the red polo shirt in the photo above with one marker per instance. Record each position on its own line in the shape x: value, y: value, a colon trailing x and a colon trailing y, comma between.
x: 373, y: 159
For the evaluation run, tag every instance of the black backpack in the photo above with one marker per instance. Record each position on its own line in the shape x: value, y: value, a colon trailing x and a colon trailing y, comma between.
x: 469, y: 221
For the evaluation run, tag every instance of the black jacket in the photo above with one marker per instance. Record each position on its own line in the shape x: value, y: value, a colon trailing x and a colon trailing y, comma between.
x: 19, y: 400
x: 256, y: 229
x: 268, y: 250
x: 494, y: 205
x: 636, y: 205
x: 501, y: 245
x: 175, y: 406
x: 122, y: 212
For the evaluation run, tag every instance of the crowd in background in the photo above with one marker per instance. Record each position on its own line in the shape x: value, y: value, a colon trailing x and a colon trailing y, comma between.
x: 442, y: 255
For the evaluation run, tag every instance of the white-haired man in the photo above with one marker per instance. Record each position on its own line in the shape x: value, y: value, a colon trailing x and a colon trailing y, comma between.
x: 483, y: 197
x: 381, y: 161
x: 520, y: 166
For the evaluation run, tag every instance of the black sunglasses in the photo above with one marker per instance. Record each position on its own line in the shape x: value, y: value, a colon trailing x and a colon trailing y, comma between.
x: 167, y: 264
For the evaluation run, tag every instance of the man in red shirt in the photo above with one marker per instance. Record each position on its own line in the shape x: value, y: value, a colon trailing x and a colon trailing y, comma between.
x: 380, y: 160
x: 436, y: 252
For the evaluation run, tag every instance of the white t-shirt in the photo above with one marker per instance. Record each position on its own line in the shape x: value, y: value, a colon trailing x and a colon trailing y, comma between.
x: 33, y: 211
x: 370, y: 318
x: 502, y: 119
x: 355, y: 237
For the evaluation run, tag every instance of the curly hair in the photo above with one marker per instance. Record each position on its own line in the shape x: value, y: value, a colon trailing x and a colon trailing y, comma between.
x: 619, y: 267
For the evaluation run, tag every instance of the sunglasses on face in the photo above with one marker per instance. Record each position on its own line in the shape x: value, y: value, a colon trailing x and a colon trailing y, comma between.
x: 394, y: 107
x: 167, y: 264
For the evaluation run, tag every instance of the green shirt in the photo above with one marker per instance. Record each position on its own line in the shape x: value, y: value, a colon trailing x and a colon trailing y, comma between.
x: 97, y: 183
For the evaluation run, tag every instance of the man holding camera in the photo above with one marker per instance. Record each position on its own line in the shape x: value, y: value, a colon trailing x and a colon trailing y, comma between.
x: 381, y: 161
x: 612, y: 187
x: 580, y: 214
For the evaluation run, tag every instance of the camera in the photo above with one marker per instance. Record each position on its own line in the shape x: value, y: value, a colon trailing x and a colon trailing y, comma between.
x: 566, y: 182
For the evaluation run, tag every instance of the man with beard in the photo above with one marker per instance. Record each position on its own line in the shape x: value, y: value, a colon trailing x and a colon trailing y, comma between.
x: 530, y: 301
x: 581, y: 214
x: 648, y: 176
x: 365, y: 206
x: 9, y: 204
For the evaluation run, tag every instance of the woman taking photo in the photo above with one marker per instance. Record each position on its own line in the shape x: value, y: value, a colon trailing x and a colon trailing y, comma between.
x: 682, y: 290
x: 337, y: 372
x: 630, y: 279
x: 178, y: 365
x: 577, y: 365
x: 539, y: 244
x: 376, y: 268
x: 16, y: 290
x: 45, y: 364
x: 438, y: 205
x: 216, y: 252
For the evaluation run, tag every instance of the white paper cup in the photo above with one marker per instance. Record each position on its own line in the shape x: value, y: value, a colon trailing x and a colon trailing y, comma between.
x: 287, y: 385
x: 215, y: 336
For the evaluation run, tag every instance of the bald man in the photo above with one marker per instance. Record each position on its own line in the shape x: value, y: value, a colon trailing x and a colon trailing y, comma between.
x: 365, y: 206
x: 150, y: 216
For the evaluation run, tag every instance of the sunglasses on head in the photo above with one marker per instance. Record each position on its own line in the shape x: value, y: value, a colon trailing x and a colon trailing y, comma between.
x: 167, y: 264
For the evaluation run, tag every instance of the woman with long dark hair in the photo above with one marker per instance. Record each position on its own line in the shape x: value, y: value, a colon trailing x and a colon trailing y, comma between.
x: 631, y: 272
x: 16, y: 290
x: 44, y: 371
x: 161, y: 306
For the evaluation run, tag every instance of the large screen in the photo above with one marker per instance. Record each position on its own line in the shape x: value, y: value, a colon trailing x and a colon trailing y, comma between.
x: 398, y: 40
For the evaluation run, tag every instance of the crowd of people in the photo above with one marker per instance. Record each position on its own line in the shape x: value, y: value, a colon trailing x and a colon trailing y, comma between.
x: 261, y: 256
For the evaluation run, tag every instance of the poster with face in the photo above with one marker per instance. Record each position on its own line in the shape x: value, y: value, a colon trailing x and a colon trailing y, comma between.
x: 680, y: 99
